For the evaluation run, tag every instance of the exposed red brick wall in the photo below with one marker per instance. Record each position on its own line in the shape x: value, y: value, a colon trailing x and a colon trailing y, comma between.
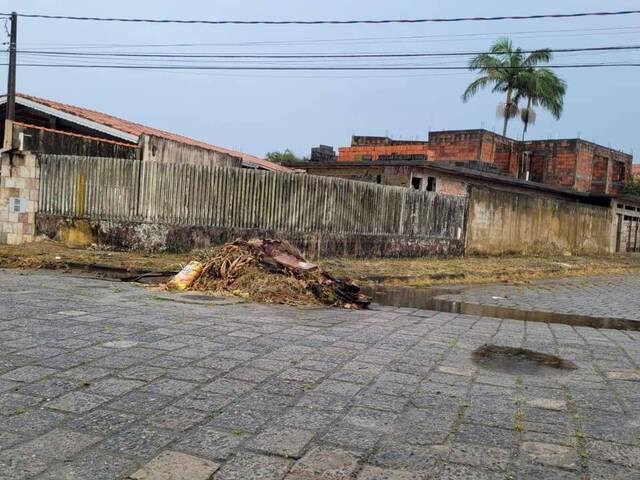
x: 372, y: 153
x: 561, y: 163
x: 599, y: 174
x: 451, y: 187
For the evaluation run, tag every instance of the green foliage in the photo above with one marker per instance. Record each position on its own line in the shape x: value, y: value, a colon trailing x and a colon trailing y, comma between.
x: 509, y: 70
x: 283, y: 157
x: 632, y: 187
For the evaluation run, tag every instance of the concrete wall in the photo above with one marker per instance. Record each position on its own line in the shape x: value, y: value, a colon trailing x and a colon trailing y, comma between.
x: 399, y: 176
x: 19, y: 186
x: 183, y: 238
x: 166, y: 206
x: 157, y: 149
x: 506, y: 222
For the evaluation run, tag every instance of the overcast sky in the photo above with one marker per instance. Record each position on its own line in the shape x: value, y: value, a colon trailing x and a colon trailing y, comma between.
x: 262, y: 111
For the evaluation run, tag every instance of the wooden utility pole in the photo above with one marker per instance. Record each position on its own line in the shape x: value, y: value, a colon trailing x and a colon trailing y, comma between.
x: 11, y: 84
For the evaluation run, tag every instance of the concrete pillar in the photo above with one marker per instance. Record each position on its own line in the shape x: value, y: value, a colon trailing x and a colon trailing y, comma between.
x: 19, y: 192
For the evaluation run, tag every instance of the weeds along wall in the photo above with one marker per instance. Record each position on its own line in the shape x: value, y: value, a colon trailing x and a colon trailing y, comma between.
x: 163, y: 206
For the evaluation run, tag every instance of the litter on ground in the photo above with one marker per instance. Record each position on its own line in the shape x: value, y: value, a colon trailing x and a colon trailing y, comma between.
x: 267, y: 271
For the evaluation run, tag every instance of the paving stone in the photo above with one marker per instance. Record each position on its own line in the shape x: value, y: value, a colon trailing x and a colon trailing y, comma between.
x: 58, y: 444
x: 453, y: 471
x: 239, y: 417
x: 485, y: 435
x: 534, y: 471
x: 253, y: 466
x: 120, y: 344
x: 8, y: 439
x: 113, y: 387
x: 624, y: 455
x: 608, y: 471
x: 169, y: 387
x: 176, y: 466
x: 334, y: 387
x: 50, y: 388
x: 102, y: 421
x: 139, y: 440
x: 547, y: 403
x: 96, y: 464
x: 482, y: 456
x: 376, y: 473
x: 142, y: 372
x: 77, y: 402
x: 28, y: 374
x: 228, y: 386
x: 550, y: 454
x: 209, y: 443
x: 14, y: 467
x: 350, y: 437
x: 84, y: 373
x: 283, y: 441
x: 33, y: 422
x: 140, y: 402
x: 400, y: 456
x: 370, y: 419
x: 328, y: 463
x: 206, y: 401
x: 174, y: 418
x: 16, y: 403
x: 306, y: 418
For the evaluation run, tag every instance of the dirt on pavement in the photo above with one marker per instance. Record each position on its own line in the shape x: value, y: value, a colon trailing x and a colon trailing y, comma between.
x: 412, y: 272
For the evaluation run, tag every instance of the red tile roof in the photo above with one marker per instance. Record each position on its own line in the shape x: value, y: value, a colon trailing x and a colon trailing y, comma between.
x: 138, y: 129
x: 635, y: 170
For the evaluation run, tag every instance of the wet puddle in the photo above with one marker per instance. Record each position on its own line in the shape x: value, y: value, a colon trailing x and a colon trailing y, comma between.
x: 520, y: 361
x: 428, y: 299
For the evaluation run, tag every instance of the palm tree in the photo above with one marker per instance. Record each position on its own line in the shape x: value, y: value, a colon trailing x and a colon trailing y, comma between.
x: 502, y: 69
x: 540, y: 86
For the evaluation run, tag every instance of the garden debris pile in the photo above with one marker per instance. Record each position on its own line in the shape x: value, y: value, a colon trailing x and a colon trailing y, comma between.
x: 272, y: 271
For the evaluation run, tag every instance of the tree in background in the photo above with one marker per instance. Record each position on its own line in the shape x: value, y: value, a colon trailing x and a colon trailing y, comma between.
x: 541, y: 87
x: 283, y: 157
x: 503, y: 69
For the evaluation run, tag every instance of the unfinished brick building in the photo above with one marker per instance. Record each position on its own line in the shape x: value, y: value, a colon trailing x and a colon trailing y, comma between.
x: 572, y: 163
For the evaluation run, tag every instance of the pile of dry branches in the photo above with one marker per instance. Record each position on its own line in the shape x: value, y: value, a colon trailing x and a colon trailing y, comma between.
x: 272, y: 271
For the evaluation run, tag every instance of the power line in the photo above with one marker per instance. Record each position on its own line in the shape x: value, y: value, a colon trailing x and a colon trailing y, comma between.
x: 284, y: 56
x: 330, y: 22
x: 301, y: 68
x: 440, y: 38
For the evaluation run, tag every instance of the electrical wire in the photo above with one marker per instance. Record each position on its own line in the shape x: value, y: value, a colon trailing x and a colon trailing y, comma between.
x: 330, y: 22
x: 305, y: 68
x: 309, y: 56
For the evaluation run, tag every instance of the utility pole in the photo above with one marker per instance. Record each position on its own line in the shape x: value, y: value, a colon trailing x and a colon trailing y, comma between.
x: 11, y: 84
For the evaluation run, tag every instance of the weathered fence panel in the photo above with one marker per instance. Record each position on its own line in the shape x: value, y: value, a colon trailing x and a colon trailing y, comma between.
x: 183, y: 195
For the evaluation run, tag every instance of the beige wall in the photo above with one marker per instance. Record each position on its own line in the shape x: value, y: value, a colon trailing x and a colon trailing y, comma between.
x: 505, y: 222
x: 19, y: 179
x: 163, y: 150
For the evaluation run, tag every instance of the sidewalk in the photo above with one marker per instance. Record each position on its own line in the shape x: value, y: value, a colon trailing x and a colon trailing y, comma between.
x: 102, y: 379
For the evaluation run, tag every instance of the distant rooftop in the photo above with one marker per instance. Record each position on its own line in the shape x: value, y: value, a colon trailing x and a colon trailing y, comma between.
x: 129, y: 131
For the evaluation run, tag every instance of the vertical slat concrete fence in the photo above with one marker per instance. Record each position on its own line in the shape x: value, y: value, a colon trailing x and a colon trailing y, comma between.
x: 183, y: 195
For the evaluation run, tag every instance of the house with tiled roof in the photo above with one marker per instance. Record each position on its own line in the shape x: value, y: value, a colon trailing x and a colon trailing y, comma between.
x: 53, y: 127
x: 635, y: 171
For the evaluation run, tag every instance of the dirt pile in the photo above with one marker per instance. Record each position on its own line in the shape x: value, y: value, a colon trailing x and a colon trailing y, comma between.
x: 272, y: 271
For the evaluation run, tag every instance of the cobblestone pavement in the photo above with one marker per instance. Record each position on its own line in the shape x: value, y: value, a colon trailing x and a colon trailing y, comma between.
x: 613, y: 296
x: 103, y: 380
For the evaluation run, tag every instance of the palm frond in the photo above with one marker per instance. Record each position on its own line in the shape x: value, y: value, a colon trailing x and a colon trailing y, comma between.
x: 475, y: 86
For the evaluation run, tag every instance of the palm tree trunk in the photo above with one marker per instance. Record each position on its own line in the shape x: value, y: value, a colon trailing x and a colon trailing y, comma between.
x: 506, y: 113
x: 526, y: 122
